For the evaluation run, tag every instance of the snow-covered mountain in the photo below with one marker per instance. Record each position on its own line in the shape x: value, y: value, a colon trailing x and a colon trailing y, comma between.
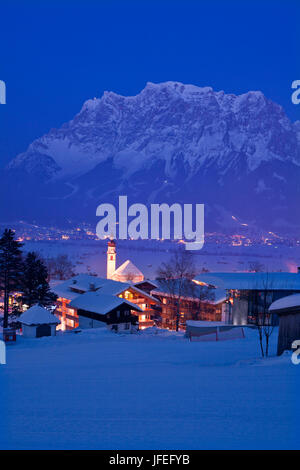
x: 239, y: 155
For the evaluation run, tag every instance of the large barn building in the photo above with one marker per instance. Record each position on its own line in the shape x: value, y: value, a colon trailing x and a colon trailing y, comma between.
x: 249, y: 295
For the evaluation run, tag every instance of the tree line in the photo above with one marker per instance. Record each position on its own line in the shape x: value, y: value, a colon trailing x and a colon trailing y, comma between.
x: 26, y: 274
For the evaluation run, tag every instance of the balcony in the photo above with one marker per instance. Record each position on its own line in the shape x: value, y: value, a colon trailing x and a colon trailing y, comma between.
x: 145, y: 324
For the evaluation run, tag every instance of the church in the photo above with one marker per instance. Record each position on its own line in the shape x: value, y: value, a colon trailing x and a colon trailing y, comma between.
x: 127, y: 272
x: 121, y: 301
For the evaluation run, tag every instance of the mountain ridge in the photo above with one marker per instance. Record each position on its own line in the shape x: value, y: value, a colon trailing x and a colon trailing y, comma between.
x: 172, y: 143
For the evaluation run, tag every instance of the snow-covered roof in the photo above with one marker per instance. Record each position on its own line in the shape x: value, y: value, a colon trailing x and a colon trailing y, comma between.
x: 127, y: 269
x: 117, y: 287
x: 106, y: 287
x: 219, y: 296
x: 290, y: 301
x: 192, y: 292
x: 37, y: 315
x: 64, y: 292
x: 146, y: 281
x: 82, y: 282
x: 247, y: 281
x: 144, y: 294
x: 100, y: 303
x: 111, y: 287
x: 85, y: 283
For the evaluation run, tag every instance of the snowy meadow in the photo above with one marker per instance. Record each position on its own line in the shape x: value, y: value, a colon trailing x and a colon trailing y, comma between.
x: 100, y: 390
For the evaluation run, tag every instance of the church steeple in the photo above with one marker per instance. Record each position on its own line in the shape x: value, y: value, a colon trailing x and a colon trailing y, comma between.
x: 111, y: 258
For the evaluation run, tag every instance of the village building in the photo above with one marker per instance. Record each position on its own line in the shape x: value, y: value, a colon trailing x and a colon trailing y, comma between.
x: 234, y: 298
x: 288, y: 311
x: 38, y: 322
x: 190, y: 302
x: 14, y: 301
x: 249, y: 295
x: 96, y: 310
x: 69, y: 290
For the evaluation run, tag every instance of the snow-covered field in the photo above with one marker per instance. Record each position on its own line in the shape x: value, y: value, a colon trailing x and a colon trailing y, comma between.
x: 90, y: 256
x: 100, y: 390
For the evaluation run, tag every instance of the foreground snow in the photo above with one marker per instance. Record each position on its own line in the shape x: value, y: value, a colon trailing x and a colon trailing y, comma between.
x: 99, y: 390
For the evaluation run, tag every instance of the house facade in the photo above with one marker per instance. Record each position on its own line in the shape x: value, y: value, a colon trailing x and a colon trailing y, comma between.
x: 96, y: 310
x: 38, y: 322
x: 189, y: 302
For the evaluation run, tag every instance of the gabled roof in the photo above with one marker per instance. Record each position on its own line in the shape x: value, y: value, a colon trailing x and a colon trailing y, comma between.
x: 127, y: 269
x: 37, y: 315
x: 117, y: 288
x: 146, y: 281
x: 100, y: 285
x: 111, y: 287
x: 100, y: 303
x: 82, y: 282
x: 288, y: 302
x: 64, y: 291
x: 254, y: 281
x: 143, y: 293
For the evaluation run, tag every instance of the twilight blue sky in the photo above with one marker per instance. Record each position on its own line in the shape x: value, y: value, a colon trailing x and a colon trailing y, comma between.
x: 56, y: 54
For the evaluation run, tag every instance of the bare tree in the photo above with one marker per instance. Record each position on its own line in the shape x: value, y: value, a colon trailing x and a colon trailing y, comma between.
x: 268, y: 324
x: 175, y: 277
x: 261, y: 299
x: 204, y: 295
x: 205, y: 270
x: 60, y: 267
x: 256, y: 267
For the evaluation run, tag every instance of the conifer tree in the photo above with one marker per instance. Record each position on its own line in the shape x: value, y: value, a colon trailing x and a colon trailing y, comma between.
x: 10, y: 268
x: 35, y: 286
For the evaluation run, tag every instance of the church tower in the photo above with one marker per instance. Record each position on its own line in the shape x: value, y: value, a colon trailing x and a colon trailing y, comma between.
x: 111, y: 258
